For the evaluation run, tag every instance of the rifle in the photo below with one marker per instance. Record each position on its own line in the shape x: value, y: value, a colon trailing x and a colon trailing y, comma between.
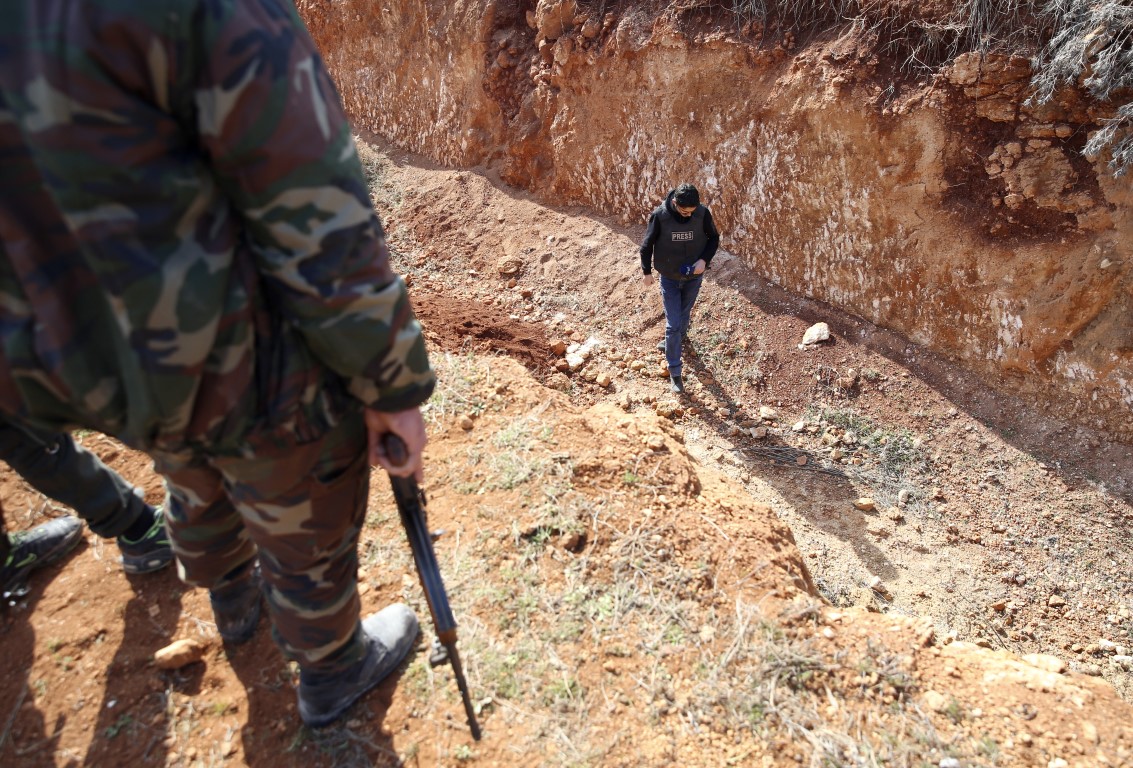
x: 411, y: 506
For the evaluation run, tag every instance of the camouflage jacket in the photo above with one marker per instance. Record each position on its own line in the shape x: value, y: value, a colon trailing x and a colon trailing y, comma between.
x: 188, y: 252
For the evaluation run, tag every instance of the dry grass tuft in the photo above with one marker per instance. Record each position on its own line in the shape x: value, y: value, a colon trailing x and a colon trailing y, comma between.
x: 1082, y: 43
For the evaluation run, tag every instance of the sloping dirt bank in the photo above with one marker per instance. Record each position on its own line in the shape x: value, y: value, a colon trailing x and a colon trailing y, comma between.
x: 984, y: 513
x: 947, y: 209
x: 620, y: 604
x: 620, y: 564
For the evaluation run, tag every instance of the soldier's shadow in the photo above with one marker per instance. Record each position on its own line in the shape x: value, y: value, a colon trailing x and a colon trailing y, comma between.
x: 133, y: 723
x: 17, y: 716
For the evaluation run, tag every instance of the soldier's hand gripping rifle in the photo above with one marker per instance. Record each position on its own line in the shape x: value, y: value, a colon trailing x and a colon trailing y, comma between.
x: 411, y: 505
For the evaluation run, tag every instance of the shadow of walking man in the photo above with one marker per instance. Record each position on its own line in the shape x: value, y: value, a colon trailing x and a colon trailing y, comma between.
x: 134, y: 724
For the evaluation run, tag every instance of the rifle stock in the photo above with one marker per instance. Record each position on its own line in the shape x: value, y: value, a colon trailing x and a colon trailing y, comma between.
x: 411, y: 506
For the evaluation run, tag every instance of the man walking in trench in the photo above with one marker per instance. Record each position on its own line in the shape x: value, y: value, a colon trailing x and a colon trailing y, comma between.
x: 189, y: 262
x: 680, y: 241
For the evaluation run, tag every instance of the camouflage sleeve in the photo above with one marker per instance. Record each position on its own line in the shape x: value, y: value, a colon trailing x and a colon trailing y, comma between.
x: 272, y: 123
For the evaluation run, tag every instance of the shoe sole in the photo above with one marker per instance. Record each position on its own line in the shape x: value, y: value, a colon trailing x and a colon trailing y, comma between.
x: 140, y: 564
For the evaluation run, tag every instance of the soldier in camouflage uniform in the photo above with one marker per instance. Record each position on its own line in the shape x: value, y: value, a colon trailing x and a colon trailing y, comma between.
x: 189, y: 261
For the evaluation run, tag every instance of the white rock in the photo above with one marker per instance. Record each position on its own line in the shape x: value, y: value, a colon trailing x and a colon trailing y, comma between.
x: 588, y: 346
x: 1046, y: 662
x: 816, y: 333
x: 934, y: 700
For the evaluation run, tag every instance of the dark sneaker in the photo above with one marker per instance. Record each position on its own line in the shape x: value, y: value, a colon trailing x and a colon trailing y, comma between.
x: 42, y: 545
x: 323, y: 698
x: 677, y: 384
x: 236, y: 607
x: 150, y: 552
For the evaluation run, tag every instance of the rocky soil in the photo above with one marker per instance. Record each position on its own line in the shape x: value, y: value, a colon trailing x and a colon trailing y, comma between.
x: 817, y: 542
x: 1008, y: 529
x: 926, y: 193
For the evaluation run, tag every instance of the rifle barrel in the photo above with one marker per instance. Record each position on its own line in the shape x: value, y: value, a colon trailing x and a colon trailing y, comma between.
x: 411, y: 507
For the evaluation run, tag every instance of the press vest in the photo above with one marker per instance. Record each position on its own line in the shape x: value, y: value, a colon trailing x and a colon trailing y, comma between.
x: 679, y: 242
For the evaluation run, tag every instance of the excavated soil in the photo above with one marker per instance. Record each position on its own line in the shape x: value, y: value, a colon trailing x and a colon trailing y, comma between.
x: 988, y: 525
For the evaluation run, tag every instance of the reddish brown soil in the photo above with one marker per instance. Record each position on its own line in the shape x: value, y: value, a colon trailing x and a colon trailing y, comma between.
x: 1001, y: 493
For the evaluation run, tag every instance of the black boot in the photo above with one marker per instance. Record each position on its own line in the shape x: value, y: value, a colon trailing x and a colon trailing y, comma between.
x: 323, y: 697
x: 236, y: 607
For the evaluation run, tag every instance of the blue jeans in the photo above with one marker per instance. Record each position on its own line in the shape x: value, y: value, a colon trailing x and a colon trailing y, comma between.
x: 678, y: 297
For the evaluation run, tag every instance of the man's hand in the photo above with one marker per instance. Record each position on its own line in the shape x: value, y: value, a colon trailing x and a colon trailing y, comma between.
x: 698, y: 267
x: 409, y: 425
x: 648, y: 280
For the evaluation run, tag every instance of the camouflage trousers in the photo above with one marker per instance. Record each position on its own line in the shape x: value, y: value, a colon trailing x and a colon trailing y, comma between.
x: 299, y: 507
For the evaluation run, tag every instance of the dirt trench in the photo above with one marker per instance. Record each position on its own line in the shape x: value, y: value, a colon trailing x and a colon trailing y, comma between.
x: 1003, y: 527
x: 642, y: 580
x: 937, y: 201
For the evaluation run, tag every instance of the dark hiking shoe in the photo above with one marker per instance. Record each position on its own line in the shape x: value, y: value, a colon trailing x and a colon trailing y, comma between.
x: 42, y: 545
x: 150, y: 552
x: 323, y: 698
x: 677, y: 384
x: 236, y: 607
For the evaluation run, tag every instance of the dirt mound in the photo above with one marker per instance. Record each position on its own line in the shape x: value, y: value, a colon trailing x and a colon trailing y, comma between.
x: 453, y: 324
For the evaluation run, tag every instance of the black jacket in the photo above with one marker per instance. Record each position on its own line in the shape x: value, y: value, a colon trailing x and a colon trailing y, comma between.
x: 673, y: 241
